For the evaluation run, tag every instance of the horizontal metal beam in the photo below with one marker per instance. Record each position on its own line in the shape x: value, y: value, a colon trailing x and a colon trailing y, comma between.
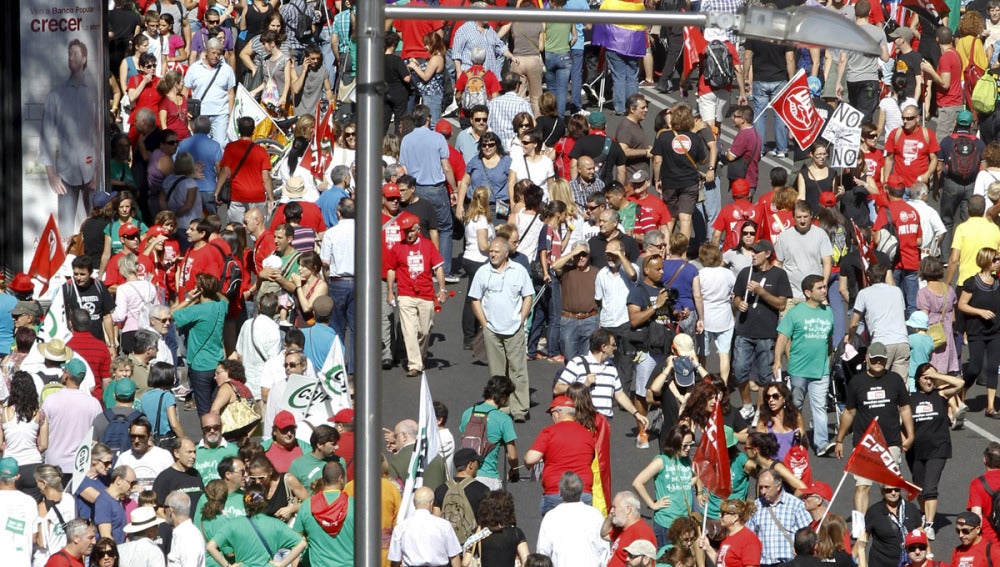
x: 641, y: 17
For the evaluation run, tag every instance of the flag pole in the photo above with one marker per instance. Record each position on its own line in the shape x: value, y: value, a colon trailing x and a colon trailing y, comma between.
x: 830, y: 505
x: 704, y: 519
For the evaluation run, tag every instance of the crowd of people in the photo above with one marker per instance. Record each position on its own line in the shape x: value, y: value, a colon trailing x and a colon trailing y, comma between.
x: 208, y: 276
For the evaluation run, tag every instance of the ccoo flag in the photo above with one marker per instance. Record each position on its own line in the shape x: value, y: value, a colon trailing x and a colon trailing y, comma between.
x: 427, y: 447
x: 711, y: 459
x: 794, y: 105
x: 49, y: 256
x: 871, y: 459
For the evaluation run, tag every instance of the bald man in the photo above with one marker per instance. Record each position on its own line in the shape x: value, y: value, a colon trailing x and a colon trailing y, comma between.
x: 424, y: 539
x: 264, y: 244
x: 586, y: 183
x: 405, y: 438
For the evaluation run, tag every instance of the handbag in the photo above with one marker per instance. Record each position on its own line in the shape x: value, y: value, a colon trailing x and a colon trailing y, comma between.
x: 165, y: 441
x: 194, y: 104
x: 239, y: 417
x: 226, y: 192
x: 936, y: 330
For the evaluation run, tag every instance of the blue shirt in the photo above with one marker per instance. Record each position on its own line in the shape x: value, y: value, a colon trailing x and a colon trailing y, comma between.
x: 215, y: 102
x: 7, y: 302
x: 501, y: 295
x: 421, y: 151
x: 495, y: 179
x: 107, y: 510
x: 577, y: 5
x: 320, y: 338
x: 327, y: 203
x: 206, y: 151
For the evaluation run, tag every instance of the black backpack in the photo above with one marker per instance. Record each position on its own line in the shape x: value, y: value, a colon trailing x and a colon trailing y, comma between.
x: 994, y: 518
x: 304, y: 23
x: 232, y: 275
x: 962, y: 162
x: 474, y: 436
x: 719, y: 70
x: 116, y: 434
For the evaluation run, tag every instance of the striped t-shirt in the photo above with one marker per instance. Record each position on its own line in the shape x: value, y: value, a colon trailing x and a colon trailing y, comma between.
x: 606, y: 385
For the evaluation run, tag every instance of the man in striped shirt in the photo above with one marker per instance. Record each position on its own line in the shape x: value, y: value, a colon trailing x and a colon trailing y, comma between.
x: 596, y: 372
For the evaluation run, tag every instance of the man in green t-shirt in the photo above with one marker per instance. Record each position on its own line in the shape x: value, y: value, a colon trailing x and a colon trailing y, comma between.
x: 331, y: 544
x: 805, y: 334
x: 499, y: 430
x: 212, y: 448
x: 307, y: 468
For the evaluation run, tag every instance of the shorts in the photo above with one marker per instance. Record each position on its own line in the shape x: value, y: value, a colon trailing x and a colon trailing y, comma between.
x: 897, y: 455
x: 681, y: 201
x: 712, y: 105
x: 718, y: 343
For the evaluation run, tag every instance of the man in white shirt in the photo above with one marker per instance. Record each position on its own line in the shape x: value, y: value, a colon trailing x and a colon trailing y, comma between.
x: 570, y: 533
x: 140, y: 550
x: 258, y: 341
x: 931, y: 226
x: 275, y: 376
x: 71, y: 412
x: 18, y: 515
x: 187, y: 548
x: 337, y: 254
x: 424, y: 539
x: 159, y: 321
x: 146, y: 459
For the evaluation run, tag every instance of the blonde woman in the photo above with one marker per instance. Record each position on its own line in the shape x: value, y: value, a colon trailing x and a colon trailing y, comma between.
x: 742, y: 547
x: 478, y: 233
x: 979, y: 301
x: 134, y: 300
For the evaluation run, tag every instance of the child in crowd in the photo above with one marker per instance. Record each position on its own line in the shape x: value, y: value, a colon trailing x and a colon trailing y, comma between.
x: 121, y: 367
x: 921, y: 345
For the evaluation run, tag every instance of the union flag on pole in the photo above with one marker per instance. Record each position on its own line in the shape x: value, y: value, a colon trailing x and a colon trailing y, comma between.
x: 49, y: 256
x: 694, y: 45
x: 318, y: 156
x: 871, y: 459
x: 865, y: 251
x: 794, y: 105
x: 934, y: 8
x: 711, y: 458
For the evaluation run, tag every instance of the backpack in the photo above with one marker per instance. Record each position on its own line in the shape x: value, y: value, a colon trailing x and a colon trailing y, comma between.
x: 602, y: 160
x: 475, y: 89
x: 474, y: 436
x: 586, y: 370
x: 719, y: 70
x: 984, y: 95
x: 888, y: 238
x: 962, y: 162
x: 456, y: 508
x: 232, y: 275
x: 994, y: 517
x: 304, y: 23
x: 116, y: 434
x: 797, y: 461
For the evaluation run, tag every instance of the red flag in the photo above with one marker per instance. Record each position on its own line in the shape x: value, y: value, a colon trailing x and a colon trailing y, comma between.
x: 711, y: 459
x: 694, y: 45
x: 794, y: 105
x: 49, y: 256
x: 871, y: 459
x: 318, y: 157
x: 866, y: 252
x: 935, y: 8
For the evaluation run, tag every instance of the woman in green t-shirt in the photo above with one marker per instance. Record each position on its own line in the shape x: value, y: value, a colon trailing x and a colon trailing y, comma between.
x: 672, y: 475
x: 254, y: 539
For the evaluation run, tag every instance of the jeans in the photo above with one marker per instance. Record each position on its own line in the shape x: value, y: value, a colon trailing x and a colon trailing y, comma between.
x: 434, y: 102
x: 817, y: 403
x: 713, y: 202
x: 204, y: 387
x: 220, y: 130
x: 907, y: 281
x: 764, y: 92
x: 575, y: 339
x: 748, y: 353
x: 837, y: 306
x: 954, y: 209
x: 470, y: 326
x: 342, y: 293
x: 550, y: 501
x: 557, y: 69
x: 69, y: 202
x: 547, y: 318
x: 624, y: 78
x: 437, y: 195
x: 576, y: 78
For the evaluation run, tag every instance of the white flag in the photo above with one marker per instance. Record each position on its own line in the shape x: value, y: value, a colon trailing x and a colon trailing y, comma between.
x: 54, y: 326
x: 313, y: 401
x: 427, y: 447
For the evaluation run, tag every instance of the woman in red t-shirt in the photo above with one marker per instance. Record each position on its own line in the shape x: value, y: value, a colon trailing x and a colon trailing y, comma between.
x: 741, y: 548
x: 173, y: 108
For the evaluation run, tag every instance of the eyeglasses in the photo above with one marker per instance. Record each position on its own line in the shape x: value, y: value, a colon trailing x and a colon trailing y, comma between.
x: 349, y: 134
x: 877, y: 360
x: 164, y: 319
x: 214, y: 22
x: 909, y: 118
x: 526, y: 142
x: 524, y: 127
x: 291, y: 364
x: 774, y: 396
x: 730, y: 512
x: 913, y: 548
x: 592, y: 207
x: 107, y: 463
x: 872, y: 136
x: 687, y: 445
x: 150, y: 66
x: 260, y: 478
x: 130, y: 236
x: 102, y: 553
x: 965, y: 531
x: 216, y: 427
x: 479, y: 119
x: 890, y: 490
x: 137, y: 436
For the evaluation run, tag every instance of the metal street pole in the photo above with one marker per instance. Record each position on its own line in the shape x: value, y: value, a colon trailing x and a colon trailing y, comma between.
x: 368, y: 251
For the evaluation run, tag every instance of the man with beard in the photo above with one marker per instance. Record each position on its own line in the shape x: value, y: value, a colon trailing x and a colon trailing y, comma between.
x: 623, y: 526
x: 212, y: 448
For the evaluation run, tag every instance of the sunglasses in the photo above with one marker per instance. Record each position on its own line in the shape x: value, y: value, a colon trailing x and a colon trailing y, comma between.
x: 130, y: 236
x: 490, y: 145
x: 890, y: 490
x: 913, y: 548
x: 774, y: 396
x: 592, y: 207
x: 137, y: 436
x: 211, y: 428
x: 525, y: 142
x: 877, y: 360
x: 749, y: 233
x: 909, y: 118
x: 102, y: 553
x: 479, y: 119
x: 965, y: 531
x: 349, y: 134
x: 164, y: 319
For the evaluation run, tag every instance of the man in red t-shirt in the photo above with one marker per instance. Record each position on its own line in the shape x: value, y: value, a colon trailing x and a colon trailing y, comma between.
x: 249, y: 167
x: 81, y: 536
x: 733, y: 215
x: 624, y: 525
x: 948, y: 79
x: 392, y: 213
x: 200, y: 258
x: 411, y: 264
x: 651, y: 212
x: 565, y: 446
x: 263, y: 245
x: 980, y: 500
x: 412, y: 33
x: 911, y: 150
x: 972, y: 551
x: 908, y: 232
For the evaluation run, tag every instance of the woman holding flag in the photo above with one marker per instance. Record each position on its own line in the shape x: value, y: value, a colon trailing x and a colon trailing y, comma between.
x: 671, y: 474
x: 741, y: 547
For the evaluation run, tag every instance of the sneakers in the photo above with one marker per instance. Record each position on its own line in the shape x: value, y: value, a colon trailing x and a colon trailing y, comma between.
x: 452, y: 278
x: 929, y: 531
x: 452, y: 109
x: 180, y: 391
x: 777, y: 154
x: 583, y: 112
x: 748, y: 413
x: 825, y: 449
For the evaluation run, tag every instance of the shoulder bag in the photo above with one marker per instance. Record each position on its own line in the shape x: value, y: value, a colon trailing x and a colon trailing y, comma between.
x: 936, y: 330
x: 166, y: 440
x: 194, y: 104
x: 239, y: 417
x: 226, y: 192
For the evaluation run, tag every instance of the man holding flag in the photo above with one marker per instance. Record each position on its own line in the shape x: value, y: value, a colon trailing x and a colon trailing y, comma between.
x: 876, y: 394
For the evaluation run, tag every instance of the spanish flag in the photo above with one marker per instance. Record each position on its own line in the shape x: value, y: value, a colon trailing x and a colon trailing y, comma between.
x: 624, y: 39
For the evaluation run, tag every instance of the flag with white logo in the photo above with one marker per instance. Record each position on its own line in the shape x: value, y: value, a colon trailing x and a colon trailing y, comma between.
x: 794, y: 105
x: 871, y: 459
x: 427, y: 447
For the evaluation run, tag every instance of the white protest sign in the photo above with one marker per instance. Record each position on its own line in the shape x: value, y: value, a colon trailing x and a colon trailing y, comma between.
x: 843, y: 131
x: 81, y: 460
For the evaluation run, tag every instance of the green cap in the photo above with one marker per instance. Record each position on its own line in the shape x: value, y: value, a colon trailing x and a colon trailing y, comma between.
x: 124, y: 388
x: 76, y: 368
x: 8, y: 468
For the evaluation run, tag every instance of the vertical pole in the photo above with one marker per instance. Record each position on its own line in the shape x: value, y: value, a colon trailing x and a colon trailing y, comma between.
x: 370, y: 86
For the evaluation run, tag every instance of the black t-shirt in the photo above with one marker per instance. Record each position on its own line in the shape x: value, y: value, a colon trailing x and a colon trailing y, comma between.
x: 500, y: 549
x: 761, y: 319
x: 983, y: 297
x: 931, y: 426
x: 677, y: 170
x: 592, y: 145
x: 887, y: 530
x: 395, y: 71
x: 424, y: 211
x: 768, y: 61
x: 92, y: 231
x: 188, y: 481
x: 854, y: 202
x: 877, y: 398
x: 94, y: 298
x: 552, y: 129
x: 474, y: 491
x: 909, y: 63
x: 598, y: 245
x: 122, y: 24
x: 850, y: 268
x: 645, y: 295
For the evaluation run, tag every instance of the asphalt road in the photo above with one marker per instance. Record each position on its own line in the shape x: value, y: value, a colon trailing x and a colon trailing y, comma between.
x: 456, y: 379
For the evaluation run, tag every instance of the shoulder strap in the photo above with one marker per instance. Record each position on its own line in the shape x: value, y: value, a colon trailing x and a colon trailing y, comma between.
x: 989, y: 554
x: 257, y: 348
x: 62, y: 521
x: 784, y: 532
x: 242, y: 160
x: 677, y: 273
x: 212, y: 82
x: 586, y: 365
x: 174, y: 185
x: 261, y: 536
x: 159, y: 408
x: 603, y: 158
x: 986, y: 485
x: 528, y: 228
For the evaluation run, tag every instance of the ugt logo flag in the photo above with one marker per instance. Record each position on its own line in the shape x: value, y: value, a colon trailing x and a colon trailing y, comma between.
x: 794, y: 105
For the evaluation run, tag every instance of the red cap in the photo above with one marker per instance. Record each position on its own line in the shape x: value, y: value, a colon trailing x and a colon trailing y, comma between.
x: 21, y: 283
x: 406, y: 221
x: 390, y: 190
x: 443, y: 127
x: 561, y: 402
x: 740, y: 187
x: 128, y: 229
x: 284, y: 420
x: 828, y: 199
x: 820, y: 489
x: 915, y: 537
x: 895, y: 181
x: 157, y: 230
x: 345, y: 415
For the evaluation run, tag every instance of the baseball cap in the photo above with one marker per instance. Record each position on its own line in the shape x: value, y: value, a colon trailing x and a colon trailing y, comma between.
x: 762, y: 246
x: 76, y: 368
x: 463, y: 457
x: 918, y: 320
x: 8, y: 468
x: 640, y: 176
x: 284, y: 420
x: 345, y: 415
x: 597, y: 119
x: 828, y: 199
x: 916, y: 537
x: 740, y: 187
x: 406, y: 221
x: 561, y: 402
x: 124, y: 388
x: 964, y: 118
x: 895, y: 181
x: 969, y: 519
x: 157, y: 230
x: 443, y: 127
x: 642, y: 548
x: 390, y: 191
x: 128, y: 229
x: 820, y: 489
x: 26, y: 308
x: 877, y: 350
x: 100, y: 199
x: 904, y: 33
x: 323, y: 306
